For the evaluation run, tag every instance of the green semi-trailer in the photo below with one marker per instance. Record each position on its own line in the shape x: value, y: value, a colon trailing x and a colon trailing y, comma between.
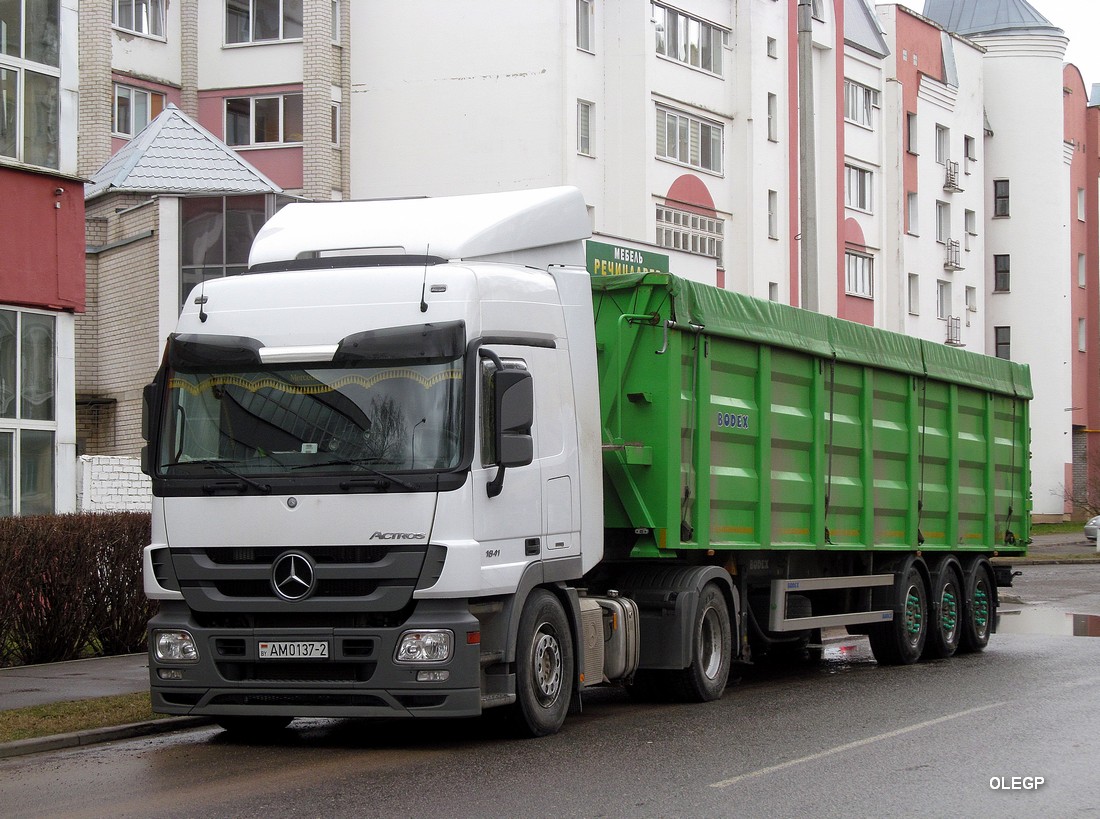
x: 419, y: 463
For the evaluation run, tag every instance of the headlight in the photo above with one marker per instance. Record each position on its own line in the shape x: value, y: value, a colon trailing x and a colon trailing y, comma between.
x: 175, y: 647
x: 427, y: 646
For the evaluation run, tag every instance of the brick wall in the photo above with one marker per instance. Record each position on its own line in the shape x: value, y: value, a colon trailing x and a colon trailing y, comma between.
x: 96, y: 88
x: 325, y: 64
x: 112, y: 484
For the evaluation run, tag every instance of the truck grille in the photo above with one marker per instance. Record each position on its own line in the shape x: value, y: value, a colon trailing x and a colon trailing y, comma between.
x: 374, y: 578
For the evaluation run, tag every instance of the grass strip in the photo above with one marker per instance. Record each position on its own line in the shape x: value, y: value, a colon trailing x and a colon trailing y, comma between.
x: 79, y: 715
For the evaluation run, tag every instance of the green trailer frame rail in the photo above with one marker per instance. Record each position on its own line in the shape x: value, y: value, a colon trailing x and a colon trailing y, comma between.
x: 734, y: 423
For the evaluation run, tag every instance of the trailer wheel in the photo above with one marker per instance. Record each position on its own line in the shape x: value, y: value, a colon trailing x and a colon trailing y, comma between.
x: 253, y: 727
x: 979, y: 607
x: 544, y: 665
x: 711, y: 650
x: 947, y: 614
x: 901, y: 640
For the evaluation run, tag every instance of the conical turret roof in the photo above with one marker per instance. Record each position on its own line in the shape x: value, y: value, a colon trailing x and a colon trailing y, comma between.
x: 977, y: 17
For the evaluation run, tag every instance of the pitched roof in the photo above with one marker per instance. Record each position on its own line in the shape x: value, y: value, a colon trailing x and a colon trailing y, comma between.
x: 173, y: 154
x: 971, y: 17
x: 862, y: 30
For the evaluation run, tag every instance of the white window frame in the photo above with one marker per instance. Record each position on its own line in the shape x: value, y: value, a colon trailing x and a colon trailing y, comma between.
x: 773, y: 118
x: 914, y: 294
x: 912, y: 203
x: 1002, y: 342
x: 943, y: 144
x: 970, y: 226
x: 1082, y: 336
x: 860, y: 103
x: 251, y: 17
x: 859, y: 274
x: 1082, y: 271
x: 336, y: 30
x: 689, y: 40
x: 252, y: 143
x: 334, y: 124
x: 1081, y: 205
x: 690, y: 133
x: 134, y: 91
x: 146, y: 17
x: 584, y: 127
x: 773, y: 214
x: 943, y: 299
x: 19, y: 109
x: 690, y: 232
x: 1002, y: 278
x: 859, y: 188
x: 1002, y: 201
x: 911, y: 133
x: 586, y: 19
x: 18, y: 424
x: 943, y: 222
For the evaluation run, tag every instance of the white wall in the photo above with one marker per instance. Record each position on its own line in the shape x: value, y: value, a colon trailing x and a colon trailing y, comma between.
x: 244, y: 66
x: 112, y: 484
x: 155, y: 58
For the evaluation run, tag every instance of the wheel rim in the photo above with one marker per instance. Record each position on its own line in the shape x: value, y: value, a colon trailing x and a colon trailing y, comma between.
x: 546, y: 661
x: 914, y: 615
x: 981, y: 609
x: 949, y: 613
x: 710, y: 643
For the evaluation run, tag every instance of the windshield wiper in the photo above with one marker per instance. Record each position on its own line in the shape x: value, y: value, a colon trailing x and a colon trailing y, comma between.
x: 220, y: 464
x: 361, y: 463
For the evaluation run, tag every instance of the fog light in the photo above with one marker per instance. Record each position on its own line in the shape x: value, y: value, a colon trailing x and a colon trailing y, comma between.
x: 170, y: 673
x: 175, y: 647
x: 428, y: 646
x: 435, y: 675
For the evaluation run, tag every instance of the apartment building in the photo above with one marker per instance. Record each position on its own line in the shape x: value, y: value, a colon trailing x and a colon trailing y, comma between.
x: 42, y: 237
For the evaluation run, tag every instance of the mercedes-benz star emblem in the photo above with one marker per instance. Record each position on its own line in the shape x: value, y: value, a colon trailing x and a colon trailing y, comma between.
x: 292, y: 576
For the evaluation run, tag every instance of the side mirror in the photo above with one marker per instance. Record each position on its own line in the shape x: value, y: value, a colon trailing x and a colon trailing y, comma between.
x: 514, y: 414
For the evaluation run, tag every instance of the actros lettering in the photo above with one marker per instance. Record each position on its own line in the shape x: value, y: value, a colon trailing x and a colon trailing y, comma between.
x: 398, y: 536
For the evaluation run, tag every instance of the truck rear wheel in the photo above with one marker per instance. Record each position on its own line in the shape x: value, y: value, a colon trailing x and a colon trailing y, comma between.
x: 979, y: 606
x: 711, y: 650
x: 901, y: 640
x: 544, y: 665
x: 947, y: 613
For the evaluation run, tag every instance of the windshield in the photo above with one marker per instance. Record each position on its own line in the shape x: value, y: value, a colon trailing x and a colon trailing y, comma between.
x: 339, y: 418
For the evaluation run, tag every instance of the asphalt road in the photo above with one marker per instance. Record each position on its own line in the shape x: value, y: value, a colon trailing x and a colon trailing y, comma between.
x: 847, y: 738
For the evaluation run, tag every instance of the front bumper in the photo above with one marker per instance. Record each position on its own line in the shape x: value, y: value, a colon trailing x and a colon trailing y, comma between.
x: 359, y: 678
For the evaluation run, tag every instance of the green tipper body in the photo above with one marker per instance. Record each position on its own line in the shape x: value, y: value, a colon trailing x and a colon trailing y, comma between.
x: 732, y: 423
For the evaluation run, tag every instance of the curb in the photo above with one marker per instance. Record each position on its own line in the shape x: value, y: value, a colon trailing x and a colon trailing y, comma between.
x: 94, y: 736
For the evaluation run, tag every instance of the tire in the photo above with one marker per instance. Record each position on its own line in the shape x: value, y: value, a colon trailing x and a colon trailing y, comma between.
x: 706, y: 676
x: 544, y: 665
x: 253, y: 727
x: 945, y: 628
x: 979, y: 606
x: 901, y: 640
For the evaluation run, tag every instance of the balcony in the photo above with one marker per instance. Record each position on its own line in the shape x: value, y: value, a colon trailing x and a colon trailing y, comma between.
x: 954, y: 332
x: 951, y: 177
x: 952, y: 255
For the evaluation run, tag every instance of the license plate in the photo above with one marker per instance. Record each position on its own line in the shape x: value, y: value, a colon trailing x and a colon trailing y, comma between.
x: 285, y: 650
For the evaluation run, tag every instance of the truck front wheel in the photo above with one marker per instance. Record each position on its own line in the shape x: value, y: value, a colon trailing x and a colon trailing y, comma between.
x: 544, y: 665
x: 711, y: 650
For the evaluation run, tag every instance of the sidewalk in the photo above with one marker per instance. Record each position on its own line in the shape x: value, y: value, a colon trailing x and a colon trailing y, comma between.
x: 26, y: 686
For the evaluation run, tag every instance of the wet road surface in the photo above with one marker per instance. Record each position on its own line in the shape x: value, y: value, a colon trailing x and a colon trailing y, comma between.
x: 841, y: 739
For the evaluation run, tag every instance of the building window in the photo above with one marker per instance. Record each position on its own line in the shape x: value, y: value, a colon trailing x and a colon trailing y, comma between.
x: 1082, y: 279
x: 943, y: 145
x: 773, y: 215
x: 911, y: 133
x: 1002, y: 342
x: 772, y: 48
x: 970, y: 150
x: 943, y: 299
x: 690, y: 232
x: 859, y: 275
x: 134, y: 109
x: 334, y: 124
x: 29, y: 81
x: 773, y: 291
x: 688, y: 40
x: 584, y: 128
x: 253, y: 121
x: 140, y: 16
x: 857, y: 188
x: 261, y: 21
x: 1000, y: 197
x: 970, y: 223
x: 859, y: 104
x: 28, y: 422
x: 1002, y: 270
x: 971, y: 301
x: 335, y: 10
x: 773, y: 118
x: 216, y: 233
x: 943, y: 222
x: 914, y: 294
x: 689, y: 140
x: 911, y: 214
x: 584, y: 25
x: 1082, y: 335
x: 1081, y: 204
